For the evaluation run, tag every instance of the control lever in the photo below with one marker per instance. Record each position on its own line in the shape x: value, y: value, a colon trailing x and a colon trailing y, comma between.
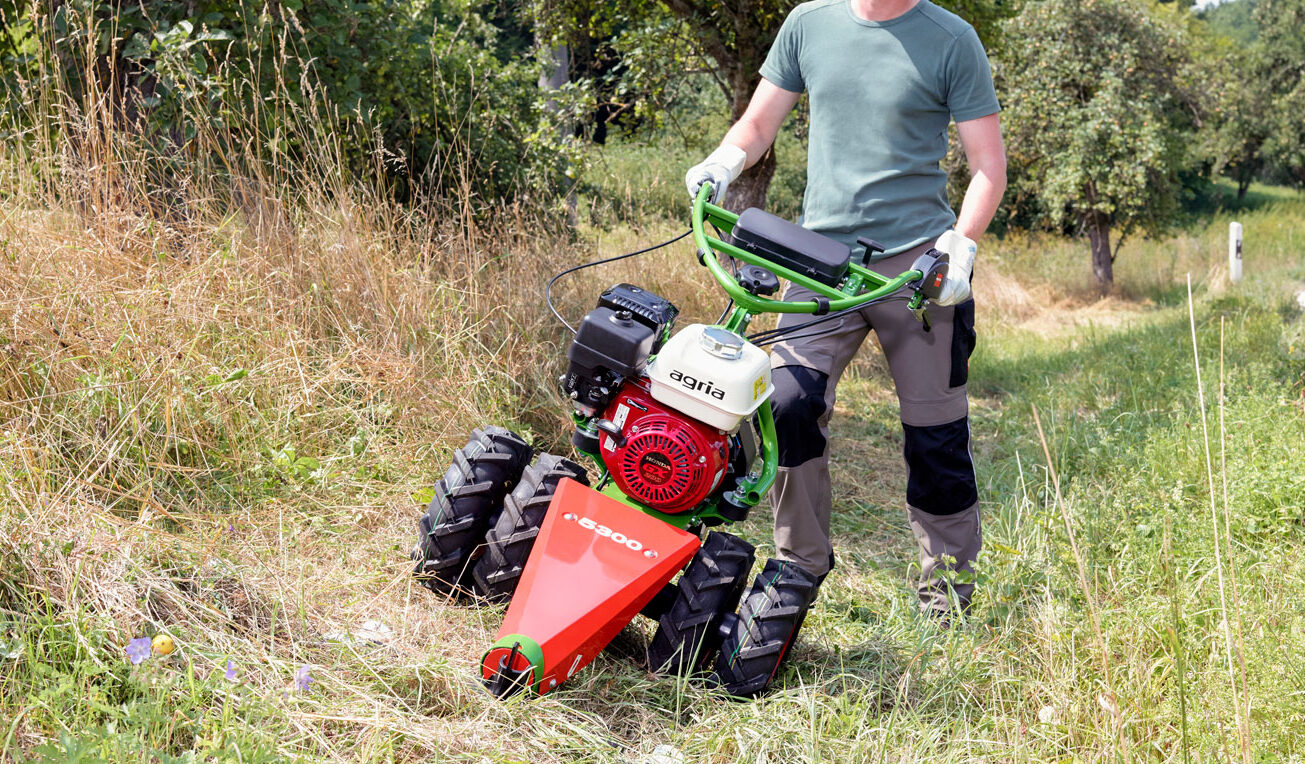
x: 933, y: 264
x: 872, y: 248
x: 609, y: 427
x: 921, y: 313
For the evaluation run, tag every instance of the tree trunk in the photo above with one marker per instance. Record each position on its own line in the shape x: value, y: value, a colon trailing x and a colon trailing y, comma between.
x: 551, y: 80
x: 1103, y: 267
x: 749, y: 189
x: 555, y: 77
x: 1245, y: 175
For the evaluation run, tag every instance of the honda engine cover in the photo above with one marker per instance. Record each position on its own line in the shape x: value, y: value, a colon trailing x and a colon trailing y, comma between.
x: 668, y: 461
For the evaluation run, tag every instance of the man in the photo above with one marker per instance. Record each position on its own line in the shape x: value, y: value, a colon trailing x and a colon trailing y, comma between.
x: 885, y: 78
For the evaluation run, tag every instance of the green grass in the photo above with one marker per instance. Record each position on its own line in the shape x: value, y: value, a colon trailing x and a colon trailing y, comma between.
x: 217, y: 432
x: 1153, y: 270
x: 1123, y: 425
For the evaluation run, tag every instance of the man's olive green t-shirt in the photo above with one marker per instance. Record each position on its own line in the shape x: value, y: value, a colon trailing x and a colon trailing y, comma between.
x: 881, y: 95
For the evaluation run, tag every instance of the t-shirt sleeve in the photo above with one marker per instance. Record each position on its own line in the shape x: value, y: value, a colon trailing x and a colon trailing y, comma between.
x: 781, y: 66
x: 969, y: 89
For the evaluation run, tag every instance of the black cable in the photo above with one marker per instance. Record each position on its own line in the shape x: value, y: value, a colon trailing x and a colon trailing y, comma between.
x: 767, y: 333
x: 772, y: 340
x: 770, y: 335
x: 720, y: 235
x: 548, y: 290
x: 728, y: 305
x: 775, y: 335
x: 734, y: 266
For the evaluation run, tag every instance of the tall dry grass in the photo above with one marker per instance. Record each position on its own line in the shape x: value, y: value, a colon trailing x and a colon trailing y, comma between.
x: 213, y: 369
x: 224, y: 374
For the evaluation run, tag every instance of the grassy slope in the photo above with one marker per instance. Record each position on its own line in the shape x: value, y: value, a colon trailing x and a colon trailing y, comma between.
x: 215, y: 430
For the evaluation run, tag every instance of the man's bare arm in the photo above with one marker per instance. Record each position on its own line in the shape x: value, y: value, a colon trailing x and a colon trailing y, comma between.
x: 757, y: 128
x: 986, y: 156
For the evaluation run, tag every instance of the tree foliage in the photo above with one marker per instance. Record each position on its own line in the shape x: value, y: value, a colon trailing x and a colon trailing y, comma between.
x: 631, y: 56
x: 1097, y: 106
x: 428, y: 92
x: 1255, y: 130
x: 1234, y: 134
x: 1233, y: 19
x: 658, y: 42
x: 1278, y: 69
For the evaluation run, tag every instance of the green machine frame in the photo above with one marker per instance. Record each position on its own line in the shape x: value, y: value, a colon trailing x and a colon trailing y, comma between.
x: 860, y: 287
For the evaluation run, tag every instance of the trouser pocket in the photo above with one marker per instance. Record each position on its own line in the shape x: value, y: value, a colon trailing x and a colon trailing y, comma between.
x: 963, y: 339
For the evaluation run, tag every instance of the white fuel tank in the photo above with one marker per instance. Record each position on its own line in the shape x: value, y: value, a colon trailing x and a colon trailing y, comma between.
x: 712, y: 375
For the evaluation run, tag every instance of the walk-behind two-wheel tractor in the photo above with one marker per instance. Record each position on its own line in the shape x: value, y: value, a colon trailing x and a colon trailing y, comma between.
x: 679, y: 428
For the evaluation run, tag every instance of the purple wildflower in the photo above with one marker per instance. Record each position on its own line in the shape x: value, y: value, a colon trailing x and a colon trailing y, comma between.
x: 230, y: 673
x: 138, y: 650
x: 303, y: 678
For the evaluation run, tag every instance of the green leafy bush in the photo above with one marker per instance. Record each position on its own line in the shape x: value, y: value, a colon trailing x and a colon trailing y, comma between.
x: 423, y: 91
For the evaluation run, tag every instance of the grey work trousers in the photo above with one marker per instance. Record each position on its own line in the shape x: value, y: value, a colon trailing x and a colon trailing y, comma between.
x: 929, y: 372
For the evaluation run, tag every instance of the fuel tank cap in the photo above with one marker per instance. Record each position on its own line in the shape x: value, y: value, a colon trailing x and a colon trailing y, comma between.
x: 721, y: 342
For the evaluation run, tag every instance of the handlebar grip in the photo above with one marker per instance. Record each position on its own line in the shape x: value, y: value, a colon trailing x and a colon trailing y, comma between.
x: 933, y: 264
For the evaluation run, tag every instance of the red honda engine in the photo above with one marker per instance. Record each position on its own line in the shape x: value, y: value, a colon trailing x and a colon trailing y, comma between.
x: 669, y: 461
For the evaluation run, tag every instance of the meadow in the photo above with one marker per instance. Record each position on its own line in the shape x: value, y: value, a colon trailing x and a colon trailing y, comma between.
x: 221, y: 407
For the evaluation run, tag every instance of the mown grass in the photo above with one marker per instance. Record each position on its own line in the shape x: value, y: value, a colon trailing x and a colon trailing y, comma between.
x: 213, y: 425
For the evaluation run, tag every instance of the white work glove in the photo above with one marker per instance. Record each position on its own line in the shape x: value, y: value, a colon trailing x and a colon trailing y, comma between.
x: 960, y: 263
x: 719, y: 168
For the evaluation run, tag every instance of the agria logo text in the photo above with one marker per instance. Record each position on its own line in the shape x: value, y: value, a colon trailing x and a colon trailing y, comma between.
x: 693, y: 383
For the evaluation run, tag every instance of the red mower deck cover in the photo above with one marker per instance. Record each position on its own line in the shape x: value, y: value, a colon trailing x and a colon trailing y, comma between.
x: 595, y: 564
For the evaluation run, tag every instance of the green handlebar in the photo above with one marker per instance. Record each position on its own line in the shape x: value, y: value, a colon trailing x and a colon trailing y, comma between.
x: 839, y: 299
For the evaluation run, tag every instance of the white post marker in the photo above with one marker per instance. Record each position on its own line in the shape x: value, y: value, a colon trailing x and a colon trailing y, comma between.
x: 1235, y: 252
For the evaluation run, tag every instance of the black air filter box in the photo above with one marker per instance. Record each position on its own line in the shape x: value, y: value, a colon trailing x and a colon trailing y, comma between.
x: 608, y: 346
x: 792, y: 246
x: 657, y: 313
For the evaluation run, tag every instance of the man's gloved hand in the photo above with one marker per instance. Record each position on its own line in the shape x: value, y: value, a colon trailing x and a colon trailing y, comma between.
x: 960, y: 263
x: 722, y: 166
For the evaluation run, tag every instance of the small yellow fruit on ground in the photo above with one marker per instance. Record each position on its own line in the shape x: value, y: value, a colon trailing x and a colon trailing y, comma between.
x: 163, y: 645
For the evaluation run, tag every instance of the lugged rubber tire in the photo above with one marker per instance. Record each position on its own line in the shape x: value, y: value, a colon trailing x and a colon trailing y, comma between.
x: 509, y: 542
x: 688, y: 634
x: 768, y: 622
x: 466, y: 500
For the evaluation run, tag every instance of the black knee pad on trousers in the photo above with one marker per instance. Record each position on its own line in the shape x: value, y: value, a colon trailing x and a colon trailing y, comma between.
x: 798, y: 403
x: 941, y: 475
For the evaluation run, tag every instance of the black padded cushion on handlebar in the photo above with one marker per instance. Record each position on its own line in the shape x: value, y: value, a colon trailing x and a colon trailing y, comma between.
x: 792, y: 246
